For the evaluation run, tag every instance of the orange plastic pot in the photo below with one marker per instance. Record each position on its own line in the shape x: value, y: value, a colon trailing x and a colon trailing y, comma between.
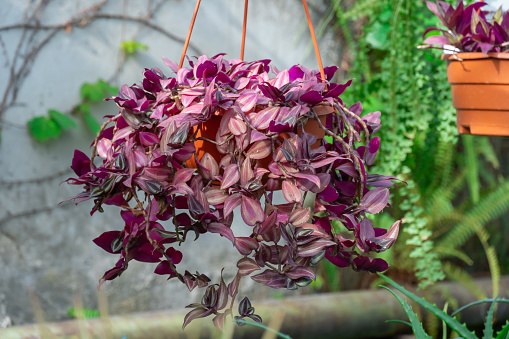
x: 209, y: 129
x: 480, y: 92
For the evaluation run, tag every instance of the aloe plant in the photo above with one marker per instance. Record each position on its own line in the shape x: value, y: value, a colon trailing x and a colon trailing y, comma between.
x: 451, y: 321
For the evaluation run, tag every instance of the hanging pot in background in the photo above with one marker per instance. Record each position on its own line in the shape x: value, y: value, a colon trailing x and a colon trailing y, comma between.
x: 480, y: 92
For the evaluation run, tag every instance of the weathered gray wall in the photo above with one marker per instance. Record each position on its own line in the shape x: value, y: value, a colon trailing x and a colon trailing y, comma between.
x: 46, y: 252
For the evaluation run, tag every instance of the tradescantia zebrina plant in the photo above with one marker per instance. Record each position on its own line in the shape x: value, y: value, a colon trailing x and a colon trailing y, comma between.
x: 170, y: 191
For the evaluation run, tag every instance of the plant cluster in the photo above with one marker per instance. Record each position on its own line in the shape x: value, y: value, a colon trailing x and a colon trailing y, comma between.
x: 51, y: 126
x: 269, y: 138
x: 469, y: 29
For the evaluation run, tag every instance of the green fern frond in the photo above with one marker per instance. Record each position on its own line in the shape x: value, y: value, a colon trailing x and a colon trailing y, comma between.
x: 489, y: 207
x: 362, y: 8
x: 460, y: 276
x: 447, y: 252
x: 472, y: 165
x: 494, y: 265
x: 484, y: 147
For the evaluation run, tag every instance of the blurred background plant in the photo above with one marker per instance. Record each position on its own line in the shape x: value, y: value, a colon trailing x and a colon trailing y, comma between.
x: 456, y: 193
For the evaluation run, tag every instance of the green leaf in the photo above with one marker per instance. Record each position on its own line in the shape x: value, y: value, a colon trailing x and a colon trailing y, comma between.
x: 82, y: 313
x: 82, y: 109
x: 414, y: 320
x: 43, y: 128
x: 504, y: 333
x: 62, y: 120
x: 92, y: 124
x: 450, y: 321
x: 97, y: 91
x: 472, y: 164
x: 132, y: 46
x: 501, y: 300
x: 106, y: 87
x: 91, y: 92
x: 488, y: 324
x: 399, y: 322
x: 378, y: 37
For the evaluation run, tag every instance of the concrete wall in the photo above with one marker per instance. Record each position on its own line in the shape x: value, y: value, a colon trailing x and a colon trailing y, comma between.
x: 47, y: 259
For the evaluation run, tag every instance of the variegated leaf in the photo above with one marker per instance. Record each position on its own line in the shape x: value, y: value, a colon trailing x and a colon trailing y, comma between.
x: 260, y: 149
x: 375, y: 200
x: 231, y: 176
x: 291, y: 192
x: 251, y: 210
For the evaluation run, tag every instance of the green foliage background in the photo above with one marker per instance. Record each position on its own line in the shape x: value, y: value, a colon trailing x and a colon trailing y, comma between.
x: 454, y: 190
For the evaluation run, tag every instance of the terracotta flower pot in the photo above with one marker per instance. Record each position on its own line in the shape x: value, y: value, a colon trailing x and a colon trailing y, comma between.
x: 480, y: 92
x: 209, y: 129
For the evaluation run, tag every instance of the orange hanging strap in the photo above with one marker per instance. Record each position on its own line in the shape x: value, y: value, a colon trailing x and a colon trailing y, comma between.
x: 322, y: 73
x: 189, y: 33
x: 244, y: 31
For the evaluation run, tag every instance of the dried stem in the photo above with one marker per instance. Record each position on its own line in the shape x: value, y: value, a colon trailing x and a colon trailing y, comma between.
x: 350, y: 154
x: 359, y: 119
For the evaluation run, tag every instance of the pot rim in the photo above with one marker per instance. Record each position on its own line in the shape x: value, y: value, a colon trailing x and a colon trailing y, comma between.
x: 474, y: 56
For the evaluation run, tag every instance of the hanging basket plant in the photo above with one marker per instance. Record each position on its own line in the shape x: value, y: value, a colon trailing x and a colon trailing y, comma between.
x: 185, y: 152
x: 478, y: 68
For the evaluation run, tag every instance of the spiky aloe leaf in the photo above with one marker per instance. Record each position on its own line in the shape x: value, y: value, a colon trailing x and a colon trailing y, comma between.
x: 501, y: 300
x: 488, y: 324
x: 414, y: 320
x: 454, y: 324
x: 504, y: 332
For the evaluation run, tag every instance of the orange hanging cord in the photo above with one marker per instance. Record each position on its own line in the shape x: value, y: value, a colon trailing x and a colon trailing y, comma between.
x: 244, y: 31
x: 189, y: 33
x: 322, y: 73
x: 312, y: 31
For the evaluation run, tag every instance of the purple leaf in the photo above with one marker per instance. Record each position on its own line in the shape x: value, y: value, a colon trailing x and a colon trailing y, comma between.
x: 335, y: 90
x: 362, y: 263
x: 329, y: 194
x: 231, y: 176
x: 215, y: 195
x: 314, y: 247
x: 195, y: 314
x: 291, y: 192
x: 375, y: 200
x: 223, y: 230
x: 300, y: 216
x: 436, y: 40
x: 247, y: 101
x: 310, y: 177
x: 251, y: 211
x: 260, y: 149
x: 148, y: 139
x: 311, y: 97
x: 298, y: 272
x: 174, y: 67
x: 245, y: 245
x: 80, y: 163
x: 247, y: 266
x: 246, y: 172
x: 340, y: 260
x: 106, y: 241
x: 264, y: 117
x: 163, y: 268
x: 183, y: 175
x: 231, y: 202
